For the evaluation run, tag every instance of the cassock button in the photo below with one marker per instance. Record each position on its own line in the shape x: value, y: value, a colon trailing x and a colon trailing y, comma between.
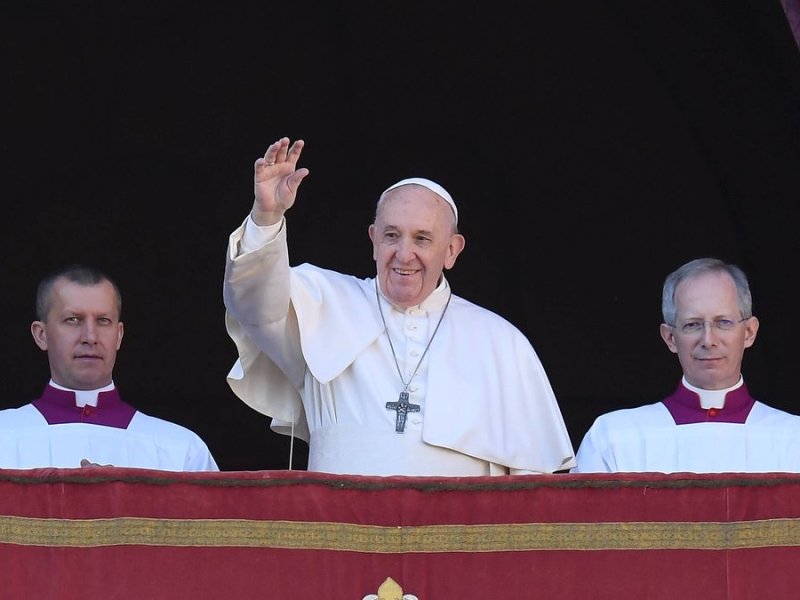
x: 87, y: 410
x: 712, y: 412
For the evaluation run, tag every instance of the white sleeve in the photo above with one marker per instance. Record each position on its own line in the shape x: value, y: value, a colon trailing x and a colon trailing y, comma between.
x: 257, y: 236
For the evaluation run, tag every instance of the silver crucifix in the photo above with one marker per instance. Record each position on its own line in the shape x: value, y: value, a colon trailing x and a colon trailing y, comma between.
x: 403, y: 407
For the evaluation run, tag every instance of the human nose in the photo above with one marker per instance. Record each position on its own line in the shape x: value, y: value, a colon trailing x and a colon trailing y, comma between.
x: 405, y: 251
x: 89, y: 332
x: 709, y: 333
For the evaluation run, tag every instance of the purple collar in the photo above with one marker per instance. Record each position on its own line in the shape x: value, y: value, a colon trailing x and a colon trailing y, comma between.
x: 58, y: 407
x: 684, y: 406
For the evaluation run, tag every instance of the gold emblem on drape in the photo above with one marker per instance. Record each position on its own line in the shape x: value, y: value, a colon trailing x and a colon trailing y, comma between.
x: 390, y: 590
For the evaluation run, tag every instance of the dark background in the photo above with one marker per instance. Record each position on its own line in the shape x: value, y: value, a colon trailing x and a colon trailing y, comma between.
x: 592, y: 148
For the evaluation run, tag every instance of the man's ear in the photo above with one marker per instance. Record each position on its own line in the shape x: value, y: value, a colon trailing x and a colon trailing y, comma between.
x: 457, y: 243
x: 668, y: 335
x: 39, y: 334
x: 119, y: 335
x: 750, y: 331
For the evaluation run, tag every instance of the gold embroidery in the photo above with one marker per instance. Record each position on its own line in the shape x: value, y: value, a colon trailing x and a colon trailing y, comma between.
x: 309, y: 535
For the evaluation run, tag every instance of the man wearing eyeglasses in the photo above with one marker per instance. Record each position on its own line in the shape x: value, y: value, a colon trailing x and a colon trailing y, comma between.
x: 710, y: 423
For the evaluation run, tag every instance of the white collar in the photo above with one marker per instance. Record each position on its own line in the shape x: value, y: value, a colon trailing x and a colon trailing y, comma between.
x: 435, y: 301
x: 84, y: 397
x: 712, y: 398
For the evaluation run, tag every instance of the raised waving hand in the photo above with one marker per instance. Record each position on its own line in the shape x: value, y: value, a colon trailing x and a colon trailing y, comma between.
x: 276, y: 181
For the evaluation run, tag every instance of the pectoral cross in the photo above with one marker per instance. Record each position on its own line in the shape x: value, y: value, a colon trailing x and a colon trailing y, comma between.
x: 403, y: 407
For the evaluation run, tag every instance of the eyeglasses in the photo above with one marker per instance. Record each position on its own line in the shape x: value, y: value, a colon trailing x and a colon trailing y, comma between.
x: 695, y: 327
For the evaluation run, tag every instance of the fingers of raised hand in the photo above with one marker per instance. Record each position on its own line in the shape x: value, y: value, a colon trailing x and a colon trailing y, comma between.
x: 280, y: 152
x: 264, y: 164
x: 276, y: 153
x: 294, y: 151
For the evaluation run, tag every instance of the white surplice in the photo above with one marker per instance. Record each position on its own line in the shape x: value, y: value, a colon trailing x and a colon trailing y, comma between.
x: 27, y: 441
x: 647, y: 439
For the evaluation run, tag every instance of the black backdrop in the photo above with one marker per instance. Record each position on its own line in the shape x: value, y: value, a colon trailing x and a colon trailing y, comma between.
x: 592, y: 148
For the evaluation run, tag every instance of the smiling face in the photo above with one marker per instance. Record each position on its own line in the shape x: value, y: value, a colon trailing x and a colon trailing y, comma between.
x: 711, y: 359
x: 413, y: 241
x: 81, y: 334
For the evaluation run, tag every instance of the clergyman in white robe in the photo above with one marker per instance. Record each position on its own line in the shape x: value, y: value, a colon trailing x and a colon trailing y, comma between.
x: 325, y: 371
x: 64, y: 427
x: 694, y: 430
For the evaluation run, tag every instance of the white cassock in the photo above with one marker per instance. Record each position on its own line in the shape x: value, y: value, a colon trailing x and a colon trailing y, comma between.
x: 314, y: 355
x: 57, y: 431
x: 684, y: 433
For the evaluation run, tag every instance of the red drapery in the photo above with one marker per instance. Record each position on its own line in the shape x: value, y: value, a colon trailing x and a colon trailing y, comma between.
x: 130, y: 533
